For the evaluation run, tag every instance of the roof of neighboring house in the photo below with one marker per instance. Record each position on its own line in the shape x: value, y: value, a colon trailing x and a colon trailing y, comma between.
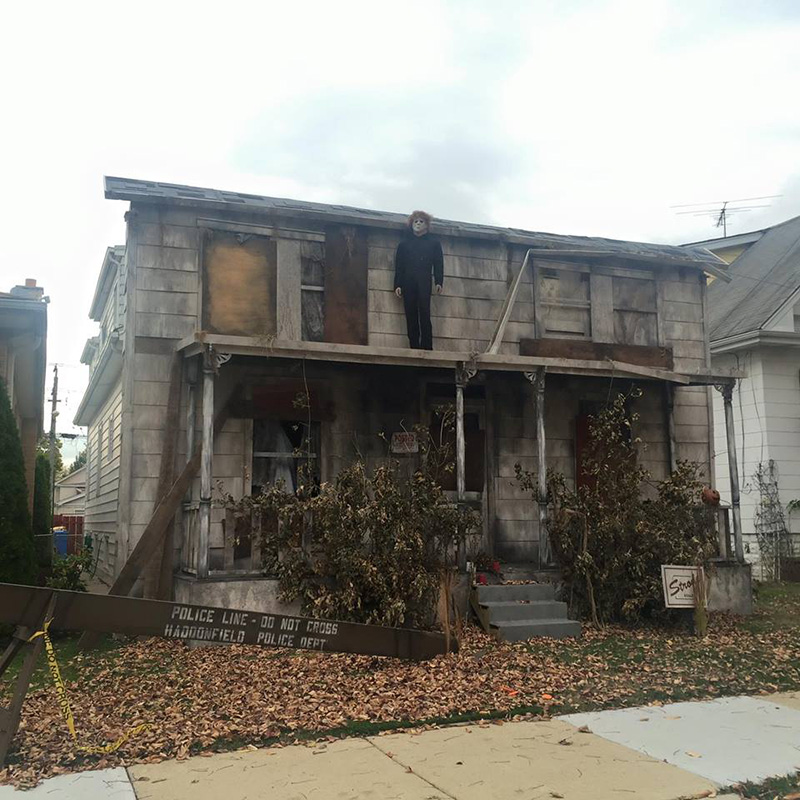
x: 174, y: 194
x: 763, y: 278
x: 75, y: 478
x: 729, y: 241
x: 111, y: 262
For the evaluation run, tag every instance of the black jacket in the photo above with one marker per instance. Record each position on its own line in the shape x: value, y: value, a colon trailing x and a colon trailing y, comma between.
x: 414, y: 260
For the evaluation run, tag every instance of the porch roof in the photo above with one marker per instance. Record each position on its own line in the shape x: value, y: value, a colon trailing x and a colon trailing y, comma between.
x: 264, y: 347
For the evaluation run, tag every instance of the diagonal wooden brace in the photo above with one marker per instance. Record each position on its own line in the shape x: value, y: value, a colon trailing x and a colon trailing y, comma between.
x: 10, y: 714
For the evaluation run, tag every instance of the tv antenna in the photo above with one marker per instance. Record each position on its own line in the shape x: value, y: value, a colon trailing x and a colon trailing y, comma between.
x: 720, y: 210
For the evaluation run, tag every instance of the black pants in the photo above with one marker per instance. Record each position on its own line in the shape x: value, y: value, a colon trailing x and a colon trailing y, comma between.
x: 417, y: 303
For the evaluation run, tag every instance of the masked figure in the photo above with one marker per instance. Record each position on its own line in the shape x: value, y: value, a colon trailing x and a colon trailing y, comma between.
x: 417, y: 260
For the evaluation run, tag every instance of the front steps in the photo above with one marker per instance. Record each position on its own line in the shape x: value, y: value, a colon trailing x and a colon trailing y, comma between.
x: 514, y: 612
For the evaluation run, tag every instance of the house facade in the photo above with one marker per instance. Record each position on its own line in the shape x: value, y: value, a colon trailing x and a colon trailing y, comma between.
x: 224, y: 308
x: 23, y: 359
x: 755, y: 327
x: 70, y: 494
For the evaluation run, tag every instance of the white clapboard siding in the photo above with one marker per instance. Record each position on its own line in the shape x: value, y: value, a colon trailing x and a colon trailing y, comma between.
x: 102, y: 482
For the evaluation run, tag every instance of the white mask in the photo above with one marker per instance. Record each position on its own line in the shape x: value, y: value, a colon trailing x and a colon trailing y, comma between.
x: 419, y: 226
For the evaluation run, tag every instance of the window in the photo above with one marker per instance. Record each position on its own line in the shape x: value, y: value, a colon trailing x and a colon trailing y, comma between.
x: 563, y: 301
x: 98, y: 459
x: 280, y: 449
x: 312, y: 292
x: 110, y: 443
x: 89, y: 454
x: 635, y: 311
x: 443, y: 434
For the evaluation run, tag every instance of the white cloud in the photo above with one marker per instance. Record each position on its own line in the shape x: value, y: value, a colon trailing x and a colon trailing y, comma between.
x: 580, y: 117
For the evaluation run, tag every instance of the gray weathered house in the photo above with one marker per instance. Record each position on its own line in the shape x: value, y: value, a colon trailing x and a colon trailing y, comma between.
x: 238, y: 303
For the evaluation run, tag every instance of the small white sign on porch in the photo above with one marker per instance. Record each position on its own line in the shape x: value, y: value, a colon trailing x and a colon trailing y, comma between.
x: 405, y: 442
x: 679, y: 585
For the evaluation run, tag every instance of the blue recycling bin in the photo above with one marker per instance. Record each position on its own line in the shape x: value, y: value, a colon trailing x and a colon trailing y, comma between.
x: 60, y: 540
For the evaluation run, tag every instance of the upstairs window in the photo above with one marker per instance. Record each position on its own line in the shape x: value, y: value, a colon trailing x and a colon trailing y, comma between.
x: 564, y: 308
x: 635, y: 311
x: 312, y: 292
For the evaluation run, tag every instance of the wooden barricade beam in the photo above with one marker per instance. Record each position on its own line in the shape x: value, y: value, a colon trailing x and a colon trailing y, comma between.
x: 28, y: 607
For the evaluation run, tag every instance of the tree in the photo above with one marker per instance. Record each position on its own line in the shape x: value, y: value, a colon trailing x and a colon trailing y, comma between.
x: 42, y: 513
x: 17, y: 554
x: 44, y: 447
x: 80, y: 461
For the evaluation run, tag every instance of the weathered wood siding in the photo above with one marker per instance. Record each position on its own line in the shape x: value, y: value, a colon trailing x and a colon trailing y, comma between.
x: 515, y: 529
x: 651, y: 307
x: 163, y: 261
x: 103, y: 448
x: 477, y: 276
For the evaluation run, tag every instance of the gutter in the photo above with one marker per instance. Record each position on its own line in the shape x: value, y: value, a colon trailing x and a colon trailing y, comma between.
x: 757, y: 338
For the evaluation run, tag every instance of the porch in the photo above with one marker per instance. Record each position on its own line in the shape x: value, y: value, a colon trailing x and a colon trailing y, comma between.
x: 508, y: 409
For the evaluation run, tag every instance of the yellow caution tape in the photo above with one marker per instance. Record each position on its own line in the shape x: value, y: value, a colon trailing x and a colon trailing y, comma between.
x: 63, y: 699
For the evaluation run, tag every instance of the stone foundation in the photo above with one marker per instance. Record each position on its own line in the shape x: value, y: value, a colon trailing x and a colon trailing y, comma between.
x: 730, y: 587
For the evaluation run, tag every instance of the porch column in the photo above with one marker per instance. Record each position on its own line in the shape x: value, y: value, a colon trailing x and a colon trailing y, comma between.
x: 727, y: 398
x: 463, y: 376
x: 191, y: 418
x: 537, y: 380
x: 206, y: 459
x: 669, y: 408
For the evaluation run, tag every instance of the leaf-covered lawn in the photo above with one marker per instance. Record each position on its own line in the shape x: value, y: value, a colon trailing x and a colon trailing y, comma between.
x: 225, y: 697
x: 785, y: 788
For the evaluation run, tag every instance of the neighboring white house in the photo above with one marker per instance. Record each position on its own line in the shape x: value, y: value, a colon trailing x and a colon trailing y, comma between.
x: 755, y: 326
x: 100, y: 411
x: 70, y: 494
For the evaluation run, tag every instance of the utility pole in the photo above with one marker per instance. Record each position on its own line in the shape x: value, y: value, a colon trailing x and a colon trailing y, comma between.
x: 53, y: 415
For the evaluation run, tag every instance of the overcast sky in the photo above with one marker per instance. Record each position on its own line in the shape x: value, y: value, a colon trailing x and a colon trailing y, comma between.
x: 569, y: 117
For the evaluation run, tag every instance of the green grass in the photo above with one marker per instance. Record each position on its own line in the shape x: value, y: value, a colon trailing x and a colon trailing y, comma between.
x: 770, y: 789
x: 70, y: 661
x: 777, y: 608
x: 364, y: 728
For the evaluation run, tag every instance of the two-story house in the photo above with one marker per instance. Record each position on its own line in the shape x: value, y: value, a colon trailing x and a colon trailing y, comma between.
x: 23, y: 358
x: 101, y: 411
x: 226, y: 307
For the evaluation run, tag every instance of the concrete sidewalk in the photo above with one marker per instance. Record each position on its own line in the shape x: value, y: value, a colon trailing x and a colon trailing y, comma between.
x: 651, y: 753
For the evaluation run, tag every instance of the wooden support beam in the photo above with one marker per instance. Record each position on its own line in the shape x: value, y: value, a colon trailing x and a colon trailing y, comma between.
x: 10, y: 714
x: 158, y: 574
x: 733, y: 471
x: 152, y: 535
x: 545, y: 551
x: 508, y: 307
x: 206, y: 463
x: 464, y: 373
x: 669, y: 411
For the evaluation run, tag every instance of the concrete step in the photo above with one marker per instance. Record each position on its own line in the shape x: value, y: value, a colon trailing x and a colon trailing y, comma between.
x: 502, y: 592
x: 524, y: 610
x: 519, y: 630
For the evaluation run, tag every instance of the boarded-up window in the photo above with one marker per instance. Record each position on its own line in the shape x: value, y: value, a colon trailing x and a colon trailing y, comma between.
x: 635, y: 311
x: 312, y: 292
x: 239, y: 284
x: 563, y: 303
x: 346, y: 285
